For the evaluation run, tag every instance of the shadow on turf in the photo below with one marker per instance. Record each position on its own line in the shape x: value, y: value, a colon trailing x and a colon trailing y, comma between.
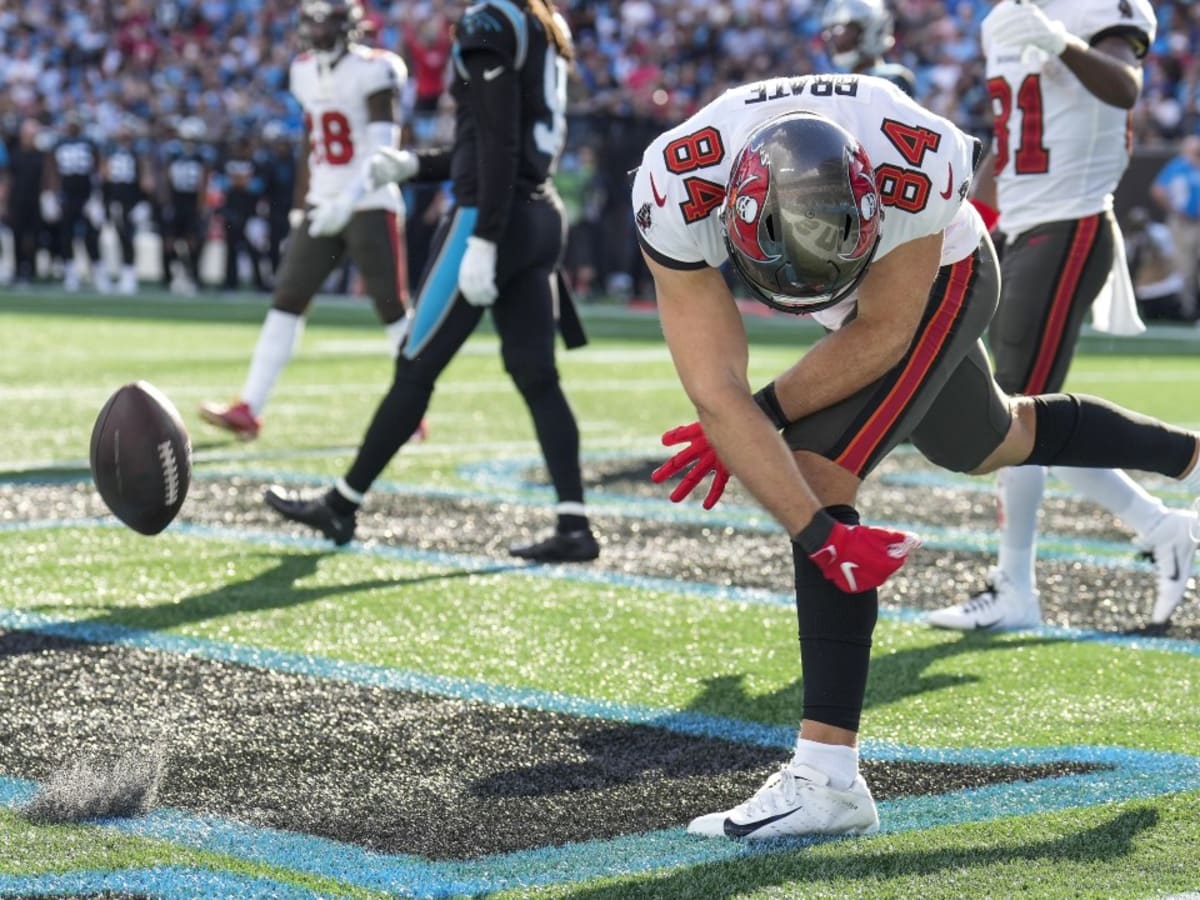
x: 1102, y: 844
x: 274, y: 588
x: 894, y: 677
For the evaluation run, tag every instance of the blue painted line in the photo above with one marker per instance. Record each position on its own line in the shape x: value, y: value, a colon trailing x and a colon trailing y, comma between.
x: 1132, y: 774
x: 162, y: 881
x: 588, y: 575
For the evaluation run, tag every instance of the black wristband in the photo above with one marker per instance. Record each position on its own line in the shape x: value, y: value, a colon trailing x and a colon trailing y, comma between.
x: 812, y: 537
x: 769, y: 404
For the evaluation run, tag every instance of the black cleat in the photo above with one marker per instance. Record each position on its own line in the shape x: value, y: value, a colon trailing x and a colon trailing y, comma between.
x: 315, y: 512
x: 562, y: 546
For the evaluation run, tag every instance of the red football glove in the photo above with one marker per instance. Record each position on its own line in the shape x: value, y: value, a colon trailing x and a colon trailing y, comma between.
x: 698, y: 451
x: 858, y: 558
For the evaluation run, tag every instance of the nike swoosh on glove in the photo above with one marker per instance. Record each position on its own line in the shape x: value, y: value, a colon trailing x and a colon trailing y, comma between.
x: 388, y: 165
x: 856, y: 558
x: 477, y: 272
x: 331, y: 217
x: 698, y: 452
x: 1018, y: 24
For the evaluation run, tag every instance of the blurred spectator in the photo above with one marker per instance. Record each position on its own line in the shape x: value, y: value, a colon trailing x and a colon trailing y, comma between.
x: 121, y: 180
x: 242, y: 189
x: 277, y: 167
x: 186, y: 170
x: 1151, y: 255
x: 72, y: 181
x: 584, y: 196
x: 1177, y: 191
x: 28, y: 164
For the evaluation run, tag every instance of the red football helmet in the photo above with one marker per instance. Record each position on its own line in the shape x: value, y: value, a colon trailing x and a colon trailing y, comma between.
x: 802, y: 216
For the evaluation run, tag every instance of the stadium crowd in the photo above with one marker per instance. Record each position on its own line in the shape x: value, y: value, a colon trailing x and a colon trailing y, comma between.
x: 209, y: 77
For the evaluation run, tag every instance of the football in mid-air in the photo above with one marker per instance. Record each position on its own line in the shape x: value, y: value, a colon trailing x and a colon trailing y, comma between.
x: 141, y: 457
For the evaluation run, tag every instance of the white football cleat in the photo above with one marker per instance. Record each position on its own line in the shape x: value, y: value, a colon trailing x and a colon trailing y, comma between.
x: 796, y: 800
x: 999, y: 606
x: 1172, y: 545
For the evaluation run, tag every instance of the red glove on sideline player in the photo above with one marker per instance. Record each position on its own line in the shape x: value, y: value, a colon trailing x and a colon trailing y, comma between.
x: 856, y: 558
x: 700, y: 452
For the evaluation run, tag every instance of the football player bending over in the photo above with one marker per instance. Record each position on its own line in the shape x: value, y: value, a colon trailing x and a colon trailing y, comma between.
x: 788, y: 180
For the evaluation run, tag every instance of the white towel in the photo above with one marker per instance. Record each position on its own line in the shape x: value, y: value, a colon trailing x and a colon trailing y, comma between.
x: 1115, y: 310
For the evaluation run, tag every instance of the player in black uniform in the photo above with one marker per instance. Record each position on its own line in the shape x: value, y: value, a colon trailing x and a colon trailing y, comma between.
x: 857, y: 33
x: 243, y: 188
x: 72, y: 178
x: 186, y: 173
x: 27, y: 165
x: 277, y: 166
x: 121, y: 180
x: 499, y: 248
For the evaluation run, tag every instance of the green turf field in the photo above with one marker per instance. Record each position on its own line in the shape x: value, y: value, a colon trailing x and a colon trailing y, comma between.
x: 648, y: 645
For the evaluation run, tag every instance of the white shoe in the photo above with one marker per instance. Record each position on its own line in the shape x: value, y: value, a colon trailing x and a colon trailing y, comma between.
x: 1173, y: 547
x: 128, y: 284
x: 795, y: 800
x: 1000, y: 605
x: 102, y: 283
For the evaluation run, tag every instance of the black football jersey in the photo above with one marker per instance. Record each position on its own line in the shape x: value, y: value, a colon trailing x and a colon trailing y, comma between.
x: 77, y: 162
x: 121, y: 165
x: 507, y: 30
x: 185, y: 171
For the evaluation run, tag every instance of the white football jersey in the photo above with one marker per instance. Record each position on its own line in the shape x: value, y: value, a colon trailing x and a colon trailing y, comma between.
x: 335, y: 116
x: 1059, y: 149
x: 923, y: 166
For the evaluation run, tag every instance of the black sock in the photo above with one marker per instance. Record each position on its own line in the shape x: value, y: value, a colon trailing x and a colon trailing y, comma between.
x: 835, y: 639
x: 568, y: 523
x: 339, y: 503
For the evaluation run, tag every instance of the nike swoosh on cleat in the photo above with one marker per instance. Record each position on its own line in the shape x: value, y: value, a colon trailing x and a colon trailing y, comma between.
x: 1174, y: 564
x: 983, y: 626
x: 733, y: 829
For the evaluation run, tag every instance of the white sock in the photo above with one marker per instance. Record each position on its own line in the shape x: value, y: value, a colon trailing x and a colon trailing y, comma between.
x: 395, y: 334
x: 1020, y: 498
x: 1118, y: 493
x: 277, y: 341
x: 837, y: 761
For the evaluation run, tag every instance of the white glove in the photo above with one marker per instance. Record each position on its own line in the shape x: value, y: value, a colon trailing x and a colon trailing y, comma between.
x: 1021, y: 24
x: 477, y: 272
x: 51, y: 211
x: 94, y: 210
x: 331, y: 217
x: 388, y: 165
x: 141, y: 214
x: 295, y: 218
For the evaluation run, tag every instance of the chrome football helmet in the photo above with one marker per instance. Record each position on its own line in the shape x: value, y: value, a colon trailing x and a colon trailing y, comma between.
x: 326, y: 26
x: 873, y: 23
x: 801, y: 217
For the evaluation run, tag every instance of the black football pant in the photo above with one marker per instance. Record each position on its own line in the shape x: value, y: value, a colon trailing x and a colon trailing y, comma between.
x: 525, y: 318
x: 75, y: 223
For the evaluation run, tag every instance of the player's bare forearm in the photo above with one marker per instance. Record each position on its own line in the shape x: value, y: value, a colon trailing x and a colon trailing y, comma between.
x: 708, y: 345
x: 1110, y: 71
x: 891, y: 301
